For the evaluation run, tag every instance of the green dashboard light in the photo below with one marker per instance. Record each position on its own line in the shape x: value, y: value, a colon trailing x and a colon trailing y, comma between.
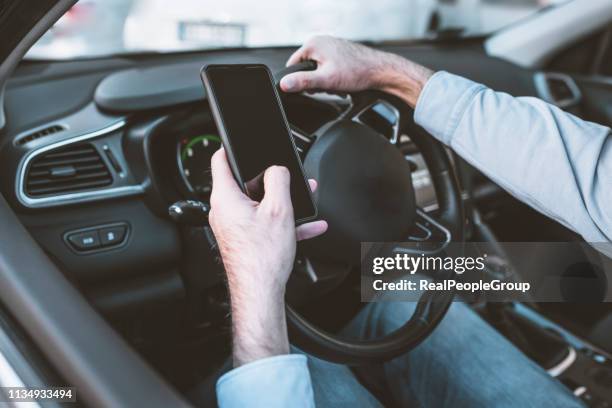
x: 196, y: 140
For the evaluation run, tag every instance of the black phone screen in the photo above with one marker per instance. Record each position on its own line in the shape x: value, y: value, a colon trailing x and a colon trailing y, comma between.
x: 257, y: 130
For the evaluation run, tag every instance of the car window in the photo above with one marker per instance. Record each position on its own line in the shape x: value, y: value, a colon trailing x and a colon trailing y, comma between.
x: 102, y: 27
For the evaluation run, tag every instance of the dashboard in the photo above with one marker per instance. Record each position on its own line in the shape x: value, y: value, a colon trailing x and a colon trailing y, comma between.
x: 94, y: 152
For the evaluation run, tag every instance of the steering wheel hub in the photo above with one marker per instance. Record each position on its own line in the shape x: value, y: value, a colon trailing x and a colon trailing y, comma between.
x: 365, y: 190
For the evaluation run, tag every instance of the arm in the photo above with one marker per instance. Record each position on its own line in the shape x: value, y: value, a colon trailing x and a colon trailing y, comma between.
x: 553, y: 161
x: 257, y: 243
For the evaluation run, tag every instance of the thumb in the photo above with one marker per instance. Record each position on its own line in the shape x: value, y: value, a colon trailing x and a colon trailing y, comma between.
x: 310, y: 230
x: 277, y: 194
x: 223, y: 181
x: 300, y: 81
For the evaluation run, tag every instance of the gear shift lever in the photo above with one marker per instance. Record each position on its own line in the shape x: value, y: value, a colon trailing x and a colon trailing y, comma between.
x: 199, y: 259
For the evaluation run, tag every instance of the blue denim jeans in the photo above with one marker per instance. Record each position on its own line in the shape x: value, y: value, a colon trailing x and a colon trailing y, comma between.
x: 464, y: 363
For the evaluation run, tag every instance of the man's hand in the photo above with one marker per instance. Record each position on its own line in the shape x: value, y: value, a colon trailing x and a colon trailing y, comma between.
x: 345, y: 66
x: 257, y: 241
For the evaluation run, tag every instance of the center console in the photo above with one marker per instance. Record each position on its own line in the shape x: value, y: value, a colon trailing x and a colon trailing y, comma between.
x: 585, y: 369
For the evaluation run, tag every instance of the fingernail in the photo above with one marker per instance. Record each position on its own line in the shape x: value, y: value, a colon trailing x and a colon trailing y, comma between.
x: 288, y: 83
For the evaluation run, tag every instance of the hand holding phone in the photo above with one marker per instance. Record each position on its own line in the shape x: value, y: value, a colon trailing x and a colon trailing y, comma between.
x: 254, y: 130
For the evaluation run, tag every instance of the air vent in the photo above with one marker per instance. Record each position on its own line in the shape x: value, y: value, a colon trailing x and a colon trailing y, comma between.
x: 76, y: 167
x: 46, y: 131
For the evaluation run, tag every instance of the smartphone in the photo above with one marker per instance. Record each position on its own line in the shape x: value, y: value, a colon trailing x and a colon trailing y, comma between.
x: 254, y: 130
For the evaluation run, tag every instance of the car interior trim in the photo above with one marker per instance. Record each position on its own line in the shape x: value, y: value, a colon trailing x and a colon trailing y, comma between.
x: 8, y: 375
x: 2, y: 113
x: 565, y: 364
x: 10, y: 378
x: 19, y: 139
x: 395, y: 137
x: 80, y: 197
x: 573, y: 340
x: 441, y: 228
x: 38, y: 28
x: 564, y: 24
x: 303, y: 138
x: 68, y: 331
x: 542, y: 84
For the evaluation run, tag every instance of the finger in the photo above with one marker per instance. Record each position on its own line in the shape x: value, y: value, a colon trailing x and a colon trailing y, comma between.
x: 298, y: 56
x: 223, y: 179
x: 313, y: 185
x: 255, y: 188
x: 311, y: 230
x: 300, y: 81
x: 277, y: 195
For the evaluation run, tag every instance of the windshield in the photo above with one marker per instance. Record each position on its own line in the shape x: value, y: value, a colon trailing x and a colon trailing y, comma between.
x: 102, y: 27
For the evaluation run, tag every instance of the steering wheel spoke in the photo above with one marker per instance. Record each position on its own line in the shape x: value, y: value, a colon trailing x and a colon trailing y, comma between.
x: 380, y: 114
x: 302, y: 140
x: 428, y: 236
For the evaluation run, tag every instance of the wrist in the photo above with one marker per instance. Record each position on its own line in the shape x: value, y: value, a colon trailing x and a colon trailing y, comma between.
x: 403, y: 78
x: 259, y: 327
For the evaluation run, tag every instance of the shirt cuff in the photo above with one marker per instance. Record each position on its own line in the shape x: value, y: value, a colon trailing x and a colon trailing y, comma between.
x: 442, y: 104
x: 278, y: 381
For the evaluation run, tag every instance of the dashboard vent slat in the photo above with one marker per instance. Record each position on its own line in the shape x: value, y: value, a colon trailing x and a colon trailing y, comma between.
x: 77, y: 152
x: 64, y: 162
x: 73, y: 168
x: 37, y: 134
x: 68, y: 180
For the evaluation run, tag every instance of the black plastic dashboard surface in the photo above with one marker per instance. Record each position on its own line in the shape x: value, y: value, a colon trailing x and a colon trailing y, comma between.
x: 144, y: 88
x: 48, y: 92
x: 42, y: 91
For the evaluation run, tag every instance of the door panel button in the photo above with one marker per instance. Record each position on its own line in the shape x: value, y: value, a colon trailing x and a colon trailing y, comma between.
x: 83, y: 241
x: 113, y: 235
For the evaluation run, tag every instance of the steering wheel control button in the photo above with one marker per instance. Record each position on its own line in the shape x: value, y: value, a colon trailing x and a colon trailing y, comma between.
x: 84, y: 241
x: 113, y: 235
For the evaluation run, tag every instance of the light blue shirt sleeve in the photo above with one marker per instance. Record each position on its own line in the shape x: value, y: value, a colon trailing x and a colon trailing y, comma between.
x: 555, y: 162
x: 281, y: 381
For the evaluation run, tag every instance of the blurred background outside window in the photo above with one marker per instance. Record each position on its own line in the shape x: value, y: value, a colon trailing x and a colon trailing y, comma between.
x: 104, y: 27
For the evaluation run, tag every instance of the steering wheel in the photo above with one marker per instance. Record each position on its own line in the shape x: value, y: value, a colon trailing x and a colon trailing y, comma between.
x: 366, y: 195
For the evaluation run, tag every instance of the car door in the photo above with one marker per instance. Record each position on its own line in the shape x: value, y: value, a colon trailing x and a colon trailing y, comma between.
x: 45, y: 323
